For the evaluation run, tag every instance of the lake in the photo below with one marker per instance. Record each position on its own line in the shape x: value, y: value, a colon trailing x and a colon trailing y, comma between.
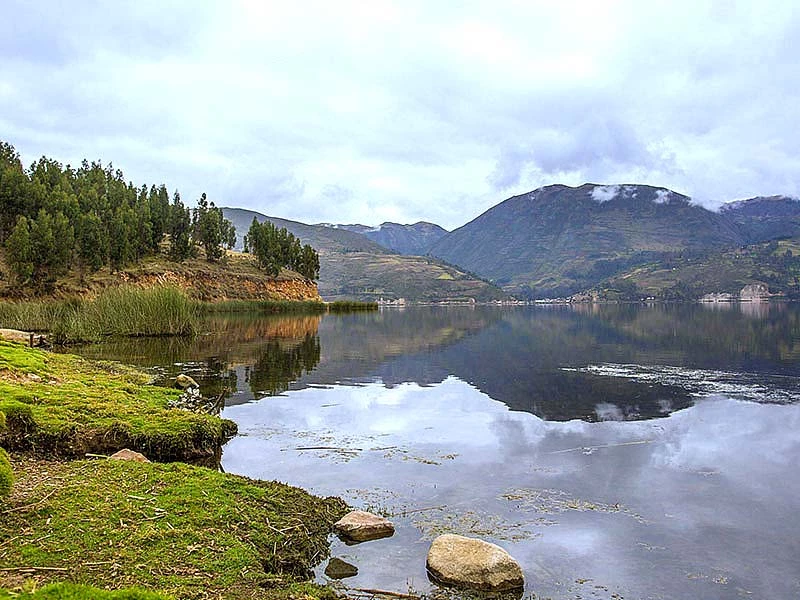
x: 616, y: 451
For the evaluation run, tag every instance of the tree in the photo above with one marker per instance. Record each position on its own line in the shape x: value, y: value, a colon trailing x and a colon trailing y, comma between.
x: 20, y: 251
x: 212, y: 229
x: 180, y: 225
x: 310, y: 263
x: 277, y: 248
x: 92, y: 243
x: 14, y: 189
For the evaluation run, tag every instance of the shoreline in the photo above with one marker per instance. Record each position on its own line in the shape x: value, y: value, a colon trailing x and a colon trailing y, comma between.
x: 203, y: 533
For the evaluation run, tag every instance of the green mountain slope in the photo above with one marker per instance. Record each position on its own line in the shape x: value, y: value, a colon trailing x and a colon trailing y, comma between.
x: 558, y: 240
x: 776, y: 263
x: 355, y: 267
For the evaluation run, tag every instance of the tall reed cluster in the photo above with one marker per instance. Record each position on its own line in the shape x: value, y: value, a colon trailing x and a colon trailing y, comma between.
x: 125, y: 311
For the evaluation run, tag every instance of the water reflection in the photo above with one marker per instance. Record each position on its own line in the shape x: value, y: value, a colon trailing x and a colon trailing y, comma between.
x: 546, y: 361
x: 707, y: 496
x: 533, y: 428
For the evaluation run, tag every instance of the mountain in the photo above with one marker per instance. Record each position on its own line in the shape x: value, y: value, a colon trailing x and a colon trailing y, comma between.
x: 353, y: 266
x: 413, y: 240
x: 558, y: 240
x: 775, y: 263
x: 319, y: 237
x: 765, y: 218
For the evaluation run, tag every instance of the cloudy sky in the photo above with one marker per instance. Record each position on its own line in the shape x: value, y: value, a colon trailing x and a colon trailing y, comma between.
x: 379, y: 110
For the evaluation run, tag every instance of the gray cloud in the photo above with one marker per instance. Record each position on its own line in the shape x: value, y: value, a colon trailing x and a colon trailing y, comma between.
x: 411, y: 110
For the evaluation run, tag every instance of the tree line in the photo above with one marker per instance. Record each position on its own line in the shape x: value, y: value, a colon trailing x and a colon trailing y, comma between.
x: 55, y: 218
x: 276, y: 248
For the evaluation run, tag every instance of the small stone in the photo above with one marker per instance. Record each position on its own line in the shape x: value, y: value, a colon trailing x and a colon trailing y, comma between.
x: 339, y: 569
x: 185, y: 382
x: 361, y: 526
x: 471, y: 563
x: 126, y: 454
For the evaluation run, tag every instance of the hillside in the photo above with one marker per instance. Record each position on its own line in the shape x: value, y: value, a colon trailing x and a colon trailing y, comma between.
x: 558, y: 240
x: 765, y: 218
x: 775, y: 263
x: 413, y: 240
x: 236, y: 277
x: 355, y: 267
x: 321, y: 238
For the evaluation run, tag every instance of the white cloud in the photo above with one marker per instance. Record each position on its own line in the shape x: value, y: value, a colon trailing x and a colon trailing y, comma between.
x: 420, y: 110
x: 604, y: 193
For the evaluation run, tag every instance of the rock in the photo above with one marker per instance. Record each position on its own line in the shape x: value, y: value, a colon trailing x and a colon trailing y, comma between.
x: 126, y: 454
x: 185, y: 382
x: 755, y: 292
x: 15, y: 335
x: 471, y: 563
x: 339, y: 569
x: 361, y: 526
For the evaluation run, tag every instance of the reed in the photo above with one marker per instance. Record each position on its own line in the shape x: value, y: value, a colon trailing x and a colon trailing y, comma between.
x: 345, y: 306
x: 265, y: 306
x: 123, y: 311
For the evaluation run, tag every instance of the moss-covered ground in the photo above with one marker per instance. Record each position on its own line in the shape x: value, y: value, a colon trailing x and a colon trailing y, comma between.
x: 181, y: 530
x: 66, y: 406
x: 118, y: 530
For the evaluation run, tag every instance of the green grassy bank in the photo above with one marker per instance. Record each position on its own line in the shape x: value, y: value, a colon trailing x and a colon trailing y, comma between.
x: 75, y: 529
x: 66, y: 406
x: 184, y: 531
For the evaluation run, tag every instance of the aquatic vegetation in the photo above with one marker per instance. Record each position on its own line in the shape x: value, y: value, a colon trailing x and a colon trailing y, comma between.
x: 68, y: 406
x: 264, y: 306
x: 345, y: 306
x: 287, y: 306
x: 124, y: 311
x: 188, y: 532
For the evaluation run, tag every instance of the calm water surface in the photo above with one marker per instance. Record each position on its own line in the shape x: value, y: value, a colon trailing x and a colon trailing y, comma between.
x: 614, y: 451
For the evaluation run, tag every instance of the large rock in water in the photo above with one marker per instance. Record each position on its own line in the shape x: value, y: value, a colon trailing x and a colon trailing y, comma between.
x: 470, y: 563
x: 361, y: 526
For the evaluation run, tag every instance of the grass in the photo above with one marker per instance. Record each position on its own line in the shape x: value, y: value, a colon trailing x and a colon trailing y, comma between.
x: 184, y: 531
x: 69, y: 591
x: 130, y: 311
x: 68, y: 406
x: 123, y: 311
x: 265, y: 306
x: 284, y: 306
x: 346, y: 306
x: 6, y: 474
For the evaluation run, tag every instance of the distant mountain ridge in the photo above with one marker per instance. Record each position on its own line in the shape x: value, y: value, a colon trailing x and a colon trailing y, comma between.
x: 558, y: 240
x: 415, y: 239
x: 352, y: 266
x: 765, y: 218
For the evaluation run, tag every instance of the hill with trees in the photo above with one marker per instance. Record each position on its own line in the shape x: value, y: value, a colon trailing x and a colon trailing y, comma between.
x: 352, y: 266
x: 58, y: 222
